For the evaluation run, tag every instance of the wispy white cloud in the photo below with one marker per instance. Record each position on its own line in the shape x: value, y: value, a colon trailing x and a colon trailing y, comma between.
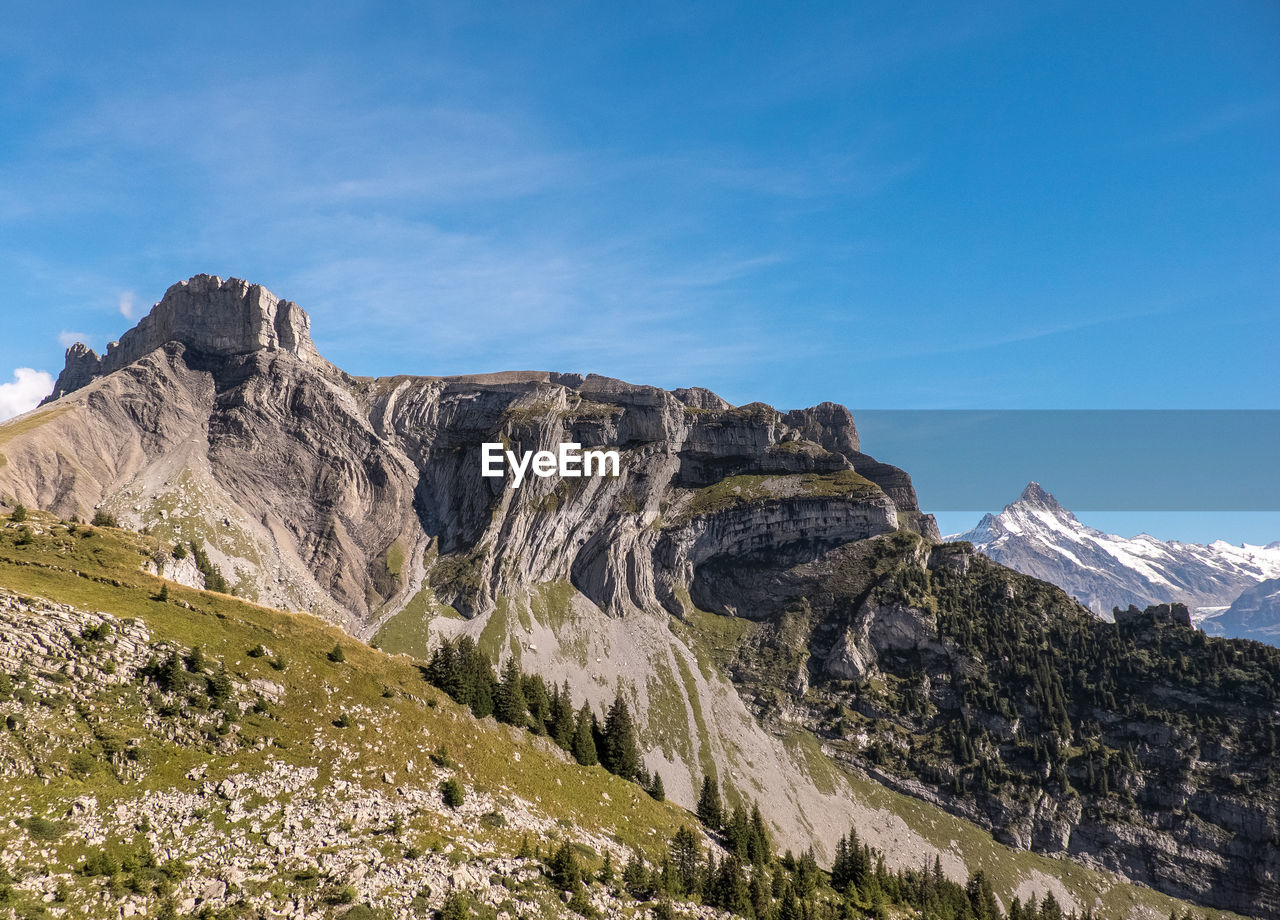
x: 67, y: 339
x: 127, y: 303
x: 24, y: 392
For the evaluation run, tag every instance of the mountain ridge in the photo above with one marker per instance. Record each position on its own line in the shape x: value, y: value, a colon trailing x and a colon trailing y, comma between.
x: 1255, y: 614
x: 361, y: 500
x: 1037, y: 536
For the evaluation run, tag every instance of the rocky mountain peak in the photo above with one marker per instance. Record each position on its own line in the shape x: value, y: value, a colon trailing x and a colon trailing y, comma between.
x: 220, y: 317
x: 1035, y: 494
x: 207, y: 315
x: 1038, y: 537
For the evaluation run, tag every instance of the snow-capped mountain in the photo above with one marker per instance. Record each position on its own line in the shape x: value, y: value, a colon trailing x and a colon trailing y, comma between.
x: 1037, y: 536
x: 1254, y: 615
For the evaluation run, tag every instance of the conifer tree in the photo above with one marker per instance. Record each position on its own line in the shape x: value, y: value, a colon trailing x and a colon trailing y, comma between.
x: 462, y: 685
x: 482, y: 688
x: 760, y: 847
x: 508, y: 703
x: 738, y: 832
x: 621, y: 752
x: 758, y: 895
x: 538, y: 703
x: 455, y: 907
x: 789, y: 908
x: 840, y: 868
x: 807, y: 874
x: 219, y: 686
x: 584, y: 744
x: 171, y: 675
x: 686, y: 855
x: 441, y: 670
x: 665, y: 880
x: 1050, y: 909
x: 562, y: 722
x: 982, y: 900
x: 452, y: 792
x: 564, y: 868
x: 597, y: 735
x: 710, y: 811
x: 729, y: 890
x: 635, y: 878
x: 655, y: 787
x: 707, y: 878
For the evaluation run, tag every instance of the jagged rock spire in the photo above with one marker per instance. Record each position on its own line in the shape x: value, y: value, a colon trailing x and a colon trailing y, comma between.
x: 206, y: 314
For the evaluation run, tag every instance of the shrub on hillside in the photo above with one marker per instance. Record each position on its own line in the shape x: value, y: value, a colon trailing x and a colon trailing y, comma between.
x: 452, y: 792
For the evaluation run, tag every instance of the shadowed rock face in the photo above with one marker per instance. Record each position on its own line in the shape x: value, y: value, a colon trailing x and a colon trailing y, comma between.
x: 839, y: 629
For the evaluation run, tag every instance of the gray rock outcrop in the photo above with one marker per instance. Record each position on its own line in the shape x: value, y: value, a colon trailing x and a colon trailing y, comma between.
x: 207, y: 315
x: 328, y: 474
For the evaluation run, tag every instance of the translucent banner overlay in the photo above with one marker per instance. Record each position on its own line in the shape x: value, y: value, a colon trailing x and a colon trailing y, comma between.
x: 1091, y: 460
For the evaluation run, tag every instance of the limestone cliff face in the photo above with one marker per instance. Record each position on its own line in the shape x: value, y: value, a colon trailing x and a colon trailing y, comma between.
x: 329, y: 475
x: 215, y: 420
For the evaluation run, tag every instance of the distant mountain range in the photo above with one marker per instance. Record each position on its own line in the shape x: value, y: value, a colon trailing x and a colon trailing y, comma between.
x: 1255, y: 614
x: 1037, y: 536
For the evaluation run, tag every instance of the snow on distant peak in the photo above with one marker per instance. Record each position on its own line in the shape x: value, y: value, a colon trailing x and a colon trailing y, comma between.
x: 1037, y: 536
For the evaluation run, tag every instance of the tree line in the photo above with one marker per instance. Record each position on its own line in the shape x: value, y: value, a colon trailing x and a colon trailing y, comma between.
x: 514, y: 697
x: 758, y: 885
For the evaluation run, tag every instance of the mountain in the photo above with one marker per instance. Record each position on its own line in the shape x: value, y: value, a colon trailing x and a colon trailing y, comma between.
x: 1037, y: 536
x: 767, y: 600
x: 215, y: 420
x: 1255, y: 614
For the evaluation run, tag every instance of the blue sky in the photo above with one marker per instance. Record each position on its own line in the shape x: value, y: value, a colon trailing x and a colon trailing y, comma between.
x: 890, y: 205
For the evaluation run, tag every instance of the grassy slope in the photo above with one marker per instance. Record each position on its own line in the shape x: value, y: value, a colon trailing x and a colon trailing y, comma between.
x: 413, y: 721
x: 398, y: 715
x: 749, y: 489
